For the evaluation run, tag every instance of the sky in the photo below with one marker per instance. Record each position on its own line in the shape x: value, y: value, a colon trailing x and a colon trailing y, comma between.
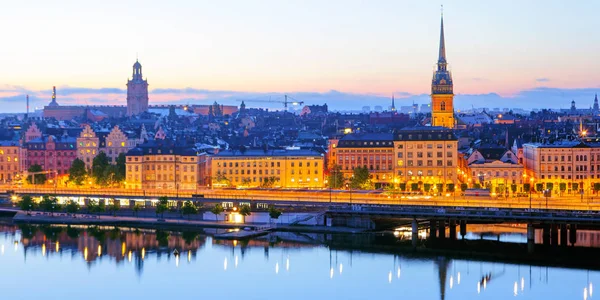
x: 525, y: 54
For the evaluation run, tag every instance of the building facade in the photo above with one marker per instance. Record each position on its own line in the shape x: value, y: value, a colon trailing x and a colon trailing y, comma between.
x: 372, y: 150
x: 54, y: 154
x: 275, y: 168
x: 442, y: 89
x: 10, y: 167
x: 88, y: 145
x: 497, y: 169
x: 116, y: 143
x: 137, y: 92
x: 162, y: 165
x: 568, y: 167
x: 426, y: 159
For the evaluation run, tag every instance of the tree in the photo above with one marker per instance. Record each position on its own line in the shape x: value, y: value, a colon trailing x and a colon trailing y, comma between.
x: 114, y: 207
x: 100, y: 166
x: 361, y: 179
x: 245, y: 211
x: 221, y: 180
x: 136, y: 208
x: 36, y: 178
x: 274, y: 213
x: 72, y: 207
x: 217, y: 210
x: 526, y: 187
x: 162, y: 206
x: 336, y: 179
x: 189, y: 208
x: 464, y: 187
x: 49, y: 204
x: 101, y: 206
x: 120, y: 169
x: 77, y: 172
x: 92, y: 206
x: 26, y: 203
x: 268, y: 182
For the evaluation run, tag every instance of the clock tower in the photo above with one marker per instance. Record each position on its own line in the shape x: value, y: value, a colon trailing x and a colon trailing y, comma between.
x: 442, y: 94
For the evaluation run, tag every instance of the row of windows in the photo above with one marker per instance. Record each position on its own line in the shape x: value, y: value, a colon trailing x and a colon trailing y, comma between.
x: 426, y: 173
x: 8, y: 151
x: 371, y: 158
x: 266, y: 164
x: 49, y: 153
x: 162, y: 168
x: 438, y: 154
x: 568, y: 177
x: 429, y: 163
x: 260, y: 172
x: 421, y: 146
x: 371, y: 168
x: 8, y: 159
x: 366, y: 151
x: 497, y: 173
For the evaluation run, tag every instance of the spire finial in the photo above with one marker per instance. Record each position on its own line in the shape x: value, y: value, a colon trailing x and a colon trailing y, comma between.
x: 442, y: 10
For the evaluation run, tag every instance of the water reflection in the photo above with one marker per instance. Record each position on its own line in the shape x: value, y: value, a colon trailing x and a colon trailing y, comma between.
x: 267, y: 259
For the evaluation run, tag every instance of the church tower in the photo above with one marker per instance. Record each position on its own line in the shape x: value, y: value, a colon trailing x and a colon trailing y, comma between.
x: 137, y: 92
x: 442, y: 96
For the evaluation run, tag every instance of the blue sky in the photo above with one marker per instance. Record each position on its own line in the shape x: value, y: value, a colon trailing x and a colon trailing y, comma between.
x: 254, y: 48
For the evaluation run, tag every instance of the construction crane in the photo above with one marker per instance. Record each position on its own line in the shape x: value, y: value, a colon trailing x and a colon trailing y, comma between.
x: 285, y: 101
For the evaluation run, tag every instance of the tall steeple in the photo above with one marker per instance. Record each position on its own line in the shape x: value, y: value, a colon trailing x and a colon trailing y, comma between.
x: 393, y: 105
x: 442, y: 88
x: 137, y: 92
x: 596, y: 108
x: 442, y: 55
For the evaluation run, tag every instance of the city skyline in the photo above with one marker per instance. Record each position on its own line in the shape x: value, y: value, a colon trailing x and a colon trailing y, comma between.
x: 349, y: 67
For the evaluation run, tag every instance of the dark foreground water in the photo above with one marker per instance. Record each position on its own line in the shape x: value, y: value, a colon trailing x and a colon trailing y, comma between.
x: 106, y: 263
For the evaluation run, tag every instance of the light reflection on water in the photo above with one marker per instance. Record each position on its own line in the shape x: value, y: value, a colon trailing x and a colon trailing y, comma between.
x: 135, y: 264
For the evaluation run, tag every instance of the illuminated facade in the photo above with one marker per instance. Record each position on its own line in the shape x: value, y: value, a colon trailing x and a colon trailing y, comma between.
x: 442, y: 89
x: 160, y: 164
x: 9, y: 161
x: 87, y: 146
x: 426, y: 158
x: 276, y: 168
x: 54, y: 154
x: 566, y: 167
x: 116, y: 143
x: 372, y: 150
x: 497, y: 169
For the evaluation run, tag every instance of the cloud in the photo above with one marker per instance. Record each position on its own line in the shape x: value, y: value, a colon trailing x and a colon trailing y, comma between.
x: 542, y: 79
x: 12, y: 98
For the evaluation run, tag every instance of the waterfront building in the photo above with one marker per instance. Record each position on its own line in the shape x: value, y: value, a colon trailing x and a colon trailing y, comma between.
x: 495, y: 168
x: 426, y: 159
x: 54, y: 154
x: 271, y: 168
x: 162, y: 164
x: 442, y: 93
x: 562, y: 167
x: 88, y: 145
x: 371, y: 150
x: 137, y: 92
x: 10, y: 153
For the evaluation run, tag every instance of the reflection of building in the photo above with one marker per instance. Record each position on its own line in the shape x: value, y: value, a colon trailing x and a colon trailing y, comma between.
x: 252, y: 168
x: 442, y: 94
x: 9, y: 160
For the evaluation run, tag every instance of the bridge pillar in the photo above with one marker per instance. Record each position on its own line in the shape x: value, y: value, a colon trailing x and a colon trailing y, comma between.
x: 530, y: 238
x: 554, y: 234
x: 432, y: 229
x: 463, y: 228
x: 453, y: 229
x: 415, y: 233
x: 546, y: 234
x: 442, y: 229
x: 573, y: 234
x: 563, y: 235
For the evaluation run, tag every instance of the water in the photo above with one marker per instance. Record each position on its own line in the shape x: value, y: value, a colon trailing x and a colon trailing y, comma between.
x: 104, y: 263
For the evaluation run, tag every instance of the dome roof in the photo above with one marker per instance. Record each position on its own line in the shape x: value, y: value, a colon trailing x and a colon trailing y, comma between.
x: 137, y: 64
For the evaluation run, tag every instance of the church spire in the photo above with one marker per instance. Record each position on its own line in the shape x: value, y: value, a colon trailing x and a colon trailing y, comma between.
x: 393, y: 105
x: 442, y: 54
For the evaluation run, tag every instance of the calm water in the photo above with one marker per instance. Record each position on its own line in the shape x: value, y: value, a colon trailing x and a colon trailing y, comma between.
x: 104, y: 263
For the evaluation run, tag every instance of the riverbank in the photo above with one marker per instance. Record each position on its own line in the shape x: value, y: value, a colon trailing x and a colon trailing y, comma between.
x: 167, y: 223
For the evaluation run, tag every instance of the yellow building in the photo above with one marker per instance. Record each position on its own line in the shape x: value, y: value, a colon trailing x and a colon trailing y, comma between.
x: 272, y: 168
x: 162, y: 165
x: 87, y: 146
x: 566, y: 167
x: 9, y: 161
x: 442, y: 94
x: 496, y: 168
x: 426, y: 158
